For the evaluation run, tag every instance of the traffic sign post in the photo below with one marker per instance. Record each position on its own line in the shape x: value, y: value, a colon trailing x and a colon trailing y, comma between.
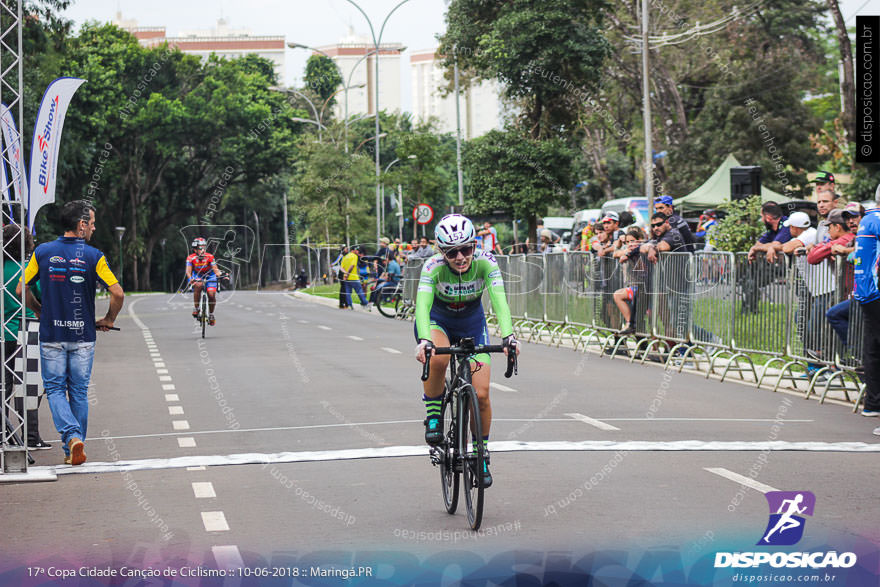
x: 423, y: 214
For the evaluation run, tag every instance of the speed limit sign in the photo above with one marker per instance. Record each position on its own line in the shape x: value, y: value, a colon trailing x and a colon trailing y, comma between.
x: 423, y: 214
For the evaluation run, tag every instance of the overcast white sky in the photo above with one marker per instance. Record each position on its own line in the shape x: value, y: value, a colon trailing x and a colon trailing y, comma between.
x: 312, y: 22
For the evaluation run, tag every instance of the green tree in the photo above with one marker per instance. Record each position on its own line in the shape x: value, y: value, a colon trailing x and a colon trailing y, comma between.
x: 322, y: 77
x: 741, y: 227
x: 332, y: 188
x: 540, y: 51
x: 182, y: 131
x: 510, y: 171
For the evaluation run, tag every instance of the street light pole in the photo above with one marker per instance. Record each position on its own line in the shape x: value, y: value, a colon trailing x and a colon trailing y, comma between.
x: 164, y: 269
x: 286, y: 240
x: 646, y: 99
x: 376, y: 43
x: 120, y: 230
x: 458, y: 136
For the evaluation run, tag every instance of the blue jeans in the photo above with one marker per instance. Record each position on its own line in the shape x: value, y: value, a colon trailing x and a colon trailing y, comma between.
x: 350, y: 284
x: 838, y: 317
x: 66, y: 369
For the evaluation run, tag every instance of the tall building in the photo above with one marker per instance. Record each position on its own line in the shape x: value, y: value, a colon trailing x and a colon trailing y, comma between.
x: 356, y: 57
x: 480, y: 105
x: 221, y: 40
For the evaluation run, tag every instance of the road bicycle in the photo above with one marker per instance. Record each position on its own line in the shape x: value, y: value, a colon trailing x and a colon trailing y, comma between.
x: 202, y: 317
x: 461, y: 452
x: 388, y: 300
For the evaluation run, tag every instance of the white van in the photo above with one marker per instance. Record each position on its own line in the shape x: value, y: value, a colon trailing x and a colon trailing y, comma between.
x: 561, y: 225
x: 638, y: 207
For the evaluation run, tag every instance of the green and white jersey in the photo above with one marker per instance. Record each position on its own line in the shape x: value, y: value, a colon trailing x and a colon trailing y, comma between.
x: 443, y: 292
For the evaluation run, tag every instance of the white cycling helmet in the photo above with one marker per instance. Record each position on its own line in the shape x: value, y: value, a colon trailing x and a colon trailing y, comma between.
x: 454, y: 230
x: 199, y: 242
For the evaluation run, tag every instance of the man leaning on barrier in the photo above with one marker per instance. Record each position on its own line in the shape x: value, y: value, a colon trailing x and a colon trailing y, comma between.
x: 776, y: 235
x: 664, y: 238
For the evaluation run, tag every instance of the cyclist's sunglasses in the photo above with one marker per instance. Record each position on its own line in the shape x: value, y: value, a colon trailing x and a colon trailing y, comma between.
x: 657, y: 224
x: 466, y: 250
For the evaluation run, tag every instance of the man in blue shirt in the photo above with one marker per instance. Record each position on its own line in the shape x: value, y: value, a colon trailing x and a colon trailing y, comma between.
x: 390, y: 278
x: 865, y: 259
x: 777, y: 233
x: 68, y: 270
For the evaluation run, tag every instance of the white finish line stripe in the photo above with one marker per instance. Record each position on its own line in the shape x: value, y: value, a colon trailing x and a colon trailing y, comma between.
x: 593, y: 422
x: 214, y: 522
x: 421, y: 450
x: 500, y: 387
x: 741, y: 479
x: 390, y: 350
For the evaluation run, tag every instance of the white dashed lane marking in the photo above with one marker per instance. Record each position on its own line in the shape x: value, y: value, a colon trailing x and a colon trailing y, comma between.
x: 593, y: 422
x: 501, y: 387
x: 322, y: 327
x: 168, y: 387
x: 172, y: 397
x: 186, y: 442
x: 203, y: 489
x: 215, y: 522
x: 227, y: 557
x: 351, y: 336
x: 390, y: 350
x: 180, y: 424
x: 741, y: 479
x: 175, y: 410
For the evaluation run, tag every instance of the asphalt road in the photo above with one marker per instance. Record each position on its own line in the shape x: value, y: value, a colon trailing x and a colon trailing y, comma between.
x: 289, y: 411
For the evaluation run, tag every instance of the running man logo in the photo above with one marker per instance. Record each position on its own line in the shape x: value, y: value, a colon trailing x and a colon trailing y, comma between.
x: 786, y: 524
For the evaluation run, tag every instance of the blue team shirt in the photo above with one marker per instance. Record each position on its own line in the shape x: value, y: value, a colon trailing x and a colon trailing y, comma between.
x: 68, y: 270
x: 865, y: 258
x: 781, y: 234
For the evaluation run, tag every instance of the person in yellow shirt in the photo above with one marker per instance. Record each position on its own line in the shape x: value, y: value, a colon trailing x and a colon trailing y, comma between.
x: 351, y: 279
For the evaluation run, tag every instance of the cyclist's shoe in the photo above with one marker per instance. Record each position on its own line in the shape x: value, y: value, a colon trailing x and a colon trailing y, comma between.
x: 487, y: 476
x: 196, y: 313
x: 433, y: 430
x: 211, y: 320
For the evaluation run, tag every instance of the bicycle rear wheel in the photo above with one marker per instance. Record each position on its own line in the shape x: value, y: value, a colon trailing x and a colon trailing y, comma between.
x: 449, y: 474
x: 472, y: 466
x: 389, y: 308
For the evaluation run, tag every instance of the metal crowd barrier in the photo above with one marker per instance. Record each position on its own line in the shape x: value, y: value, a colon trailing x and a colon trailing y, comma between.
x: 716, y: 309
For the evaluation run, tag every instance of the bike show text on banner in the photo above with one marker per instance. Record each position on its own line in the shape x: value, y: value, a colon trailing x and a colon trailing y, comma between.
x: 14, y: 153
x: 46, y: 143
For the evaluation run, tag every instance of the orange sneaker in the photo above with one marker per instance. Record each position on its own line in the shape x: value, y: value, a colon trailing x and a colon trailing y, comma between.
x: 77, y: 451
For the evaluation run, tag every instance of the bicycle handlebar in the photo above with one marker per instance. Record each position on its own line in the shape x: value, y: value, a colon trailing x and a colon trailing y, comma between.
x: 471, y: 350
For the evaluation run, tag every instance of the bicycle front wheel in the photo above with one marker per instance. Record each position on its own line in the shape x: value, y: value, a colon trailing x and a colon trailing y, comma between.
x: 203, y: 312
x: 473, y: 455
x: 449, y: 472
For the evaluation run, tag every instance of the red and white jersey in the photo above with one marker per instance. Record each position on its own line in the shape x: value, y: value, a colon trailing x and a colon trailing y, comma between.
x: 201, y: 266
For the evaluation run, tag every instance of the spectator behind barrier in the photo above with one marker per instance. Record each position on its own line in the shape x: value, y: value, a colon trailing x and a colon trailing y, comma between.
x: 624, y: 298
x: 612, y: 236
x: 707, y: 223
x: 665, y: 238
x: 777, y: 233
x: 840, y: 239
x: 663, y: 204
x: 826, y: 201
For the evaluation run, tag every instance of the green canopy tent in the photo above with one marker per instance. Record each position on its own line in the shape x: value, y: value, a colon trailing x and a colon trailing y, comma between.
x: 716, y: 190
